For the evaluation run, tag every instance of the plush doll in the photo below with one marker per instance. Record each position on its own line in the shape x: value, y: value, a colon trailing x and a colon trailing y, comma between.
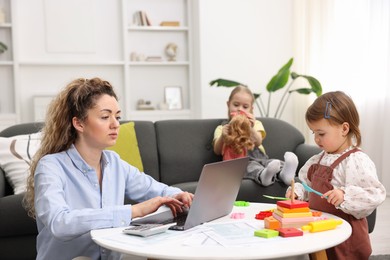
x: 238, y: 140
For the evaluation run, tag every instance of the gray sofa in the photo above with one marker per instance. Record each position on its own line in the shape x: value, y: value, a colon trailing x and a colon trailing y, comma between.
x: 173, y: 152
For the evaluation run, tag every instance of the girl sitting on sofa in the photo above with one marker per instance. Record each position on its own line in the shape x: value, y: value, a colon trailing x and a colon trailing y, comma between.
x: 261, y: 168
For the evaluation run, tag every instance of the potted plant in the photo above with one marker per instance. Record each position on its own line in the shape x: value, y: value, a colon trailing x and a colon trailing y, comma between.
x: 277, y: 82
x: 3, y: 47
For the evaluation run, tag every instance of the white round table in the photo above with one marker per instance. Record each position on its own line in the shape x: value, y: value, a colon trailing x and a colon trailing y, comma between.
x: 191, y: 244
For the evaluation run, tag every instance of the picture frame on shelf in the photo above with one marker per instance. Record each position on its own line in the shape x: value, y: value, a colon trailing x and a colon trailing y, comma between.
x: 174, y: 97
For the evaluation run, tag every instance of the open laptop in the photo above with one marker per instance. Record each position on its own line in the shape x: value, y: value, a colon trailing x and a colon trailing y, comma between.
x: 214, y: 196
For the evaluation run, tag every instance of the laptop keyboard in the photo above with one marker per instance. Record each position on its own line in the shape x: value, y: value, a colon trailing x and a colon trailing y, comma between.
x: 180, y: 219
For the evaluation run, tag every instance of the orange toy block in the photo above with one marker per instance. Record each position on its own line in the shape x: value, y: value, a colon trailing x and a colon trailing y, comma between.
x: 292, y: 204
x: 293, y: 215
x: 271, y: 223
x: 316, y: 213
x: 296, y: 210
x: 322, y: 225
x: 290, y: 232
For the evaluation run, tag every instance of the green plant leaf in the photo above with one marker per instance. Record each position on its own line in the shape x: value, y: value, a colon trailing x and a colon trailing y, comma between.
x: 315, y: 85
x: 224, y: 83
x: 281, y: 78
x: 304, y: 91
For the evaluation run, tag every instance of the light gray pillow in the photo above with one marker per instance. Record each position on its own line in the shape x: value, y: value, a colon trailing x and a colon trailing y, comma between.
x: 16, y: 153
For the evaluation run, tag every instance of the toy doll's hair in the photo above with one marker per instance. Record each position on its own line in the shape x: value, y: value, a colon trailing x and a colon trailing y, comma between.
x: 337, y: 108
x: 239, y: 134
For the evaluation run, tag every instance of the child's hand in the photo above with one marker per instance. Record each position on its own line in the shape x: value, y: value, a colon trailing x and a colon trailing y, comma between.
x: 288, y: 194
x: 251, y: 118
x: 335, y: 197
x: 225, y: 131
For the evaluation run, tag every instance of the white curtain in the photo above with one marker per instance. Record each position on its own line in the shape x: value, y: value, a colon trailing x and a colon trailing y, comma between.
x: 346, y: 45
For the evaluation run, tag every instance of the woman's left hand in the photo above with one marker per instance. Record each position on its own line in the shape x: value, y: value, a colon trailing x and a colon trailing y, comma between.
x: 185, y: 197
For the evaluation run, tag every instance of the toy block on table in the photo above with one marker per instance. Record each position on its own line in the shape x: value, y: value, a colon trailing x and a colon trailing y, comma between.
x: 266, y: 233
x: 316, y: 213
x: 241, y: 203
x: 293, y: 222
x: 237, y: 215
x: 289, y: 204
x: 271, y: 223
x: 322, y: 225
x: 293, y: 215
x: 290, y: 232
x: 263, y: 214
x: 295, y: 210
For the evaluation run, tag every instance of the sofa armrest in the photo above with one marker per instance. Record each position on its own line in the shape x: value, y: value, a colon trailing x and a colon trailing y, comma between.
x: 304, y: 152
x: 2, y: 183
x: 14, y: 218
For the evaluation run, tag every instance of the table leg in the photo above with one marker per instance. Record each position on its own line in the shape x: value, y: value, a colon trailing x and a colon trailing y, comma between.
x: 320, y: 255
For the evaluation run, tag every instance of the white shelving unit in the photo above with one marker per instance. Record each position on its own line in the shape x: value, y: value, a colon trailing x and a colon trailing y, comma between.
x: 7, y: 68
x: 39, y: 61
x: 147, y: 79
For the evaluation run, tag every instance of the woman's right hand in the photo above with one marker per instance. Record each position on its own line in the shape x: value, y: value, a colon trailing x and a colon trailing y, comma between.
x: 144, y: 208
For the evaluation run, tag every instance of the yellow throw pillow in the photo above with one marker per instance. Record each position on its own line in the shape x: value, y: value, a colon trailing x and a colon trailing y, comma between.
x: 127, y: 146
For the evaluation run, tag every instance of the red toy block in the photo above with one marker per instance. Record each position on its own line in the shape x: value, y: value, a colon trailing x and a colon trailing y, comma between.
x: 263, y: 214
x: 292, y: 204
x: 290, y: 232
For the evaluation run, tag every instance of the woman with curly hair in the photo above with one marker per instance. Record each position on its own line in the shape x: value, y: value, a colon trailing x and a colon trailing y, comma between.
x: 76, y: 185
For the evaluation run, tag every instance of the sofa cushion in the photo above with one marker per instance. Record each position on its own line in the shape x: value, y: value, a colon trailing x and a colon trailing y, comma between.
x: 184, y: 146
x: 127, y: 146
x: 281, y: 137
x: 15, y: 156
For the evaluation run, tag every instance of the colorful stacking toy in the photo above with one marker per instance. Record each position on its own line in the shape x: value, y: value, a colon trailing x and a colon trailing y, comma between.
x: 291, y: 218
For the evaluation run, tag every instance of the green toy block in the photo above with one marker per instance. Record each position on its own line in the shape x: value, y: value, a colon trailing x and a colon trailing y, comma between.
x: 241, y: 203
x: 266, y: 233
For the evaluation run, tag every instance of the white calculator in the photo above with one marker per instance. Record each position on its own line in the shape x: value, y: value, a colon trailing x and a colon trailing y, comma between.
x: 146, y: 230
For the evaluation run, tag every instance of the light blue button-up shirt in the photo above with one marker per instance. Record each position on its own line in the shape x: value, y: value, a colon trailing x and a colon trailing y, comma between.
x: 69, y: 202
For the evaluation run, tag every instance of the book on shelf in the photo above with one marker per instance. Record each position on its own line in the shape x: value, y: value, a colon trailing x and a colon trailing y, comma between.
x: 170, y: 23
x: 154, y: 58
x: 141, y: 19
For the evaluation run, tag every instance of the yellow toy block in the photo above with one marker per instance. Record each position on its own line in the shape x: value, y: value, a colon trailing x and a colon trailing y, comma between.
x: 271, y: 223
x: 322, y: 225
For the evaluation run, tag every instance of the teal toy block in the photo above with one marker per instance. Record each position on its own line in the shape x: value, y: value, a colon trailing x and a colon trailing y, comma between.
x: 266, y: 233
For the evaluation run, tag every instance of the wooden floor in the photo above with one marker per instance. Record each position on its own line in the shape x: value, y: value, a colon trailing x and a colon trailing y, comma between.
x: 380, y: 237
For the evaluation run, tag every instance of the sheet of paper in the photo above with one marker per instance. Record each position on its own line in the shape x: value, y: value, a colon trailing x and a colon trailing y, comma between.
x: 227, y: 234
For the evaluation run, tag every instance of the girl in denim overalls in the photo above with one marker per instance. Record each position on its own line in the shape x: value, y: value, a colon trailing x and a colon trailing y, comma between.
x: 342, y: 172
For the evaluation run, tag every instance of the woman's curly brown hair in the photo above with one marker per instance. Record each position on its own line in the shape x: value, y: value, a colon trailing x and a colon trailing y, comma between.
x: 239, y: 134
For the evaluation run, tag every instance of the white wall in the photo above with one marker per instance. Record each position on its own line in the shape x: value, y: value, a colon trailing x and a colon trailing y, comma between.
x: 243, y: 40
